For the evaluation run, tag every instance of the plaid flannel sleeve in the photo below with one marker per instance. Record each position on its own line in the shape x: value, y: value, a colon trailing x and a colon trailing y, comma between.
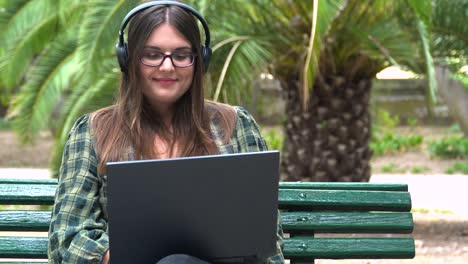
x: 249, y: 139
x: 77, y: 232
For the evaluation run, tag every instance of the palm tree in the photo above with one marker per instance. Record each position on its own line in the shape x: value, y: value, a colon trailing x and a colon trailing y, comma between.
x: 325, y: 54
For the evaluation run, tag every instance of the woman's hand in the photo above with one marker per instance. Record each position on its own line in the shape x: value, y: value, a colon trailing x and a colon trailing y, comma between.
x: 106, y: 257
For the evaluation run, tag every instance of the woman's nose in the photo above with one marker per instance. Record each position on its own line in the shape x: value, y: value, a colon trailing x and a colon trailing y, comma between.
x: 166, y: 65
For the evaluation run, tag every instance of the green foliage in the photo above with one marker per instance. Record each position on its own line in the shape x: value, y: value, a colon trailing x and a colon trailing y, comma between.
x: 419, y: 169
x: 450, y: 147
x: 384, y: 140
x: 463, y: 78
x: 384, y: 120
x: 390, y: 143
x: 5, y: 124
x: 274, y: 139
x: 461, y: 167
x: 455, y: 129
x: 391, y: 168
x: 412, y: 122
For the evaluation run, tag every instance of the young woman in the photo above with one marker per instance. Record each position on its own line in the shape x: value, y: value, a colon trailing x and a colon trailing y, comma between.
x: 160, y: 113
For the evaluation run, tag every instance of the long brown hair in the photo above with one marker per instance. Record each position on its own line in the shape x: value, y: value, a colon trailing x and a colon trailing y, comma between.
x: 130, y: 124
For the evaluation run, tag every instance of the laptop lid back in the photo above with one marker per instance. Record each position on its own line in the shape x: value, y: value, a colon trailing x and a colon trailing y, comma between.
x: 212, y: 207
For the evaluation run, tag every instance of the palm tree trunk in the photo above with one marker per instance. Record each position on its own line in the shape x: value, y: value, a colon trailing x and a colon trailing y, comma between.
x: 330, y: 140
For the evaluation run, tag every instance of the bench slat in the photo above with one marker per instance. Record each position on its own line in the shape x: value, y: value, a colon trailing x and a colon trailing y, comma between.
x: 349, y: 248
x: 318, y: 199
x: 23, y: 247
x: 27, y: 181
x: 282, y: 185
x: 294, y: 248
x: 318, y: 222
x: 345, y: 200
x: 29, y: 194
x: 363, y: 186
x: 347, y: 222
x: 23, y: 220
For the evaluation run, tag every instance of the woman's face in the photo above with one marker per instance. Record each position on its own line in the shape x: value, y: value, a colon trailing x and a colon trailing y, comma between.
x: 165, y: 84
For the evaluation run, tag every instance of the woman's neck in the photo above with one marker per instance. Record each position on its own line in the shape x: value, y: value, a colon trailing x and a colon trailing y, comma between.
x: 166, y: 114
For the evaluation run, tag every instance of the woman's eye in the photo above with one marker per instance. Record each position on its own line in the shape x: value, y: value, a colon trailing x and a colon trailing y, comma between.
x: 180, y: 56
x: 153, y: 56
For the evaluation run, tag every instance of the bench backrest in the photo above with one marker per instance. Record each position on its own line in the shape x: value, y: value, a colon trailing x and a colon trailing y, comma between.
x: 320, y: 220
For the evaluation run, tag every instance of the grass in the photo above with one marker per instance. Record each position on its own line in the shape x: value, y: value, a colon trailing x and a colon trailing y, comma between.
x: 391, y: 168
x: 461, y: 167
x: 419, y: 169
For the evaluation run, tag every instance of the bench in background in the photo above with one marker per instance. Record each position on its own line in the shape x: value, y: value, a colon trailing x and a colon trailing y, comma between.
x: 320, y: 220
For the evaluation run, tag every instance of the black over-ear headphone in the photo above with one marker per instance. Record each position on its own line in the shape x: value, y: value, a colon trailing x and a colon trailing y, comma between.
x: 122, y: 49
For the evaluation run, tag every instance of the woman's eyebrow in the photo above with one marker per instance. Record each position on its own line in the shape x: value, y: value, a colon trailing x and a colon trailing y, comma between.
x: 159, y: 49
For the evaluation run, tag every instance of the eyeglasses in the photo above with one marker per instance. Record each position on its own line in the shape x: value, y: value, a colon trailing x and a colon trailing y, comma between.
x: 178, y: 59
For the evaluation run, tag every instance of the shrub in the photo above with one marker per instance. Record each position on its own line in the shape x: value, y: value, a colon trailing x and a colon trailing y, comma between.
x: 450, y: 147
x: 274, y: 139
x: 389, y: 143
x: 461, y: 167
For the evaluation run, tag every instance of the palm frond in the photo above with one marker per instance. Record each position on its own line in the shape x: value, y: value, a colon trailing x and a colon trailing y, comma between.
x: 88, y: 95
x: 449, y: 33
x: 8, y: 9
x: 70, y: 12
x: 47, y: 79
x: 85, y: 97
x: 422, y: 9
x: 322, y: 17
x: 429, y: 61
x: 227, y: 62
x: 99, y: 31
x: 24, y: 35
x: 234, y: 66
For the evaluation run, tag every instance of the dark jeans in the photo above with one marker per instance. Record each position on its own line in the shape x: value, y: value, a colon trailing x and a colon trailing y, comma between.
x: 181, y: 259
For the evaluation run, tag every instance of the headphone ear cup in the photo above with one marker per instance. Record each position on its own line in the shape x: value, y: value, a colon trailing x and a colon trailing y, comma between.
x: 122, y: 55
x: 206, y: 53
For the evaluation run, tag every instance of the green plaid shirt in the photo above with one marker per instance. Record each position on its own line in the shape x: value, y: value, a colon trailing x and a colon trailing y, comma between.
x: 78, y: 230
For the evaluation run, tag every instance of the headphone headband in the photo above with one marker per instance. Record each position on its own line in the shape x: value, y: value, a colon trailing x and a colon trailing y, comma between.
x: 121, y: 47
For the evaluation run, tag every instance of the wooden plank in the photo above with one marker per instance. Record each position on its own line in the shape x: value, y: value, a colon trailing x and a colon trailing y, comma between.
x: 23, y: 262
x: 294, y: 248
x: 363, y: 186
x: 341, y: 200
x: 23, y: 247
x: 282, y: 185
x: 30, y: 194
x: 16, y: 220
x: 38, y: 194
x: 347, y: 222
x: 27, y: 181
x: 348, y: 248
x: 319, y: 222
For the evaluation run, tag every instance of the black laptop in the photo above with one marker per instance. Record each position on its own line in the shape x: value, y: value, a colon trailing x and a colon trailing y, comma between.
x: 220, y: 208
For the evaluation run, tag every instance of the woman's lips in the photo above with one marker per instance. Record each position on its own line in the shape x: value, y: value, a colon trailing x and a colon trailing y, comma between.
x: 165, y: 81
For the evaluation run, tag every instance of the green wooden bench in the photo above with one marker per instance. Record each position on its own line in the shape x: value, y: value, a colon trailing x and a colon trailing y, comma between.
x: 320, y: 220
